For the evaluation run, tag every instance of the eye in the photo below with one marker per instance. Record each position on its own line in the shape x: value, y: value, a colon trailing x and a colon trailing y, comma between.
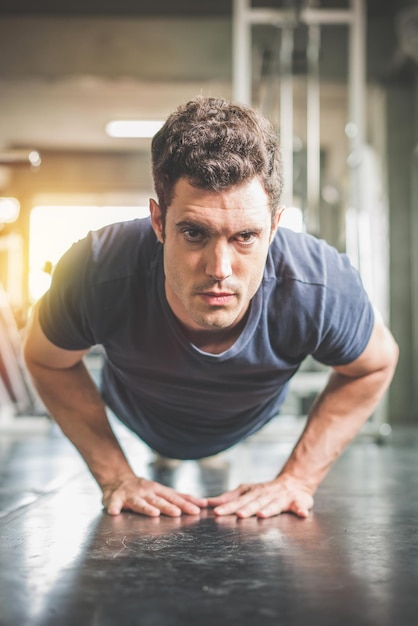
x: 193, y: 234
x: 246, y: 238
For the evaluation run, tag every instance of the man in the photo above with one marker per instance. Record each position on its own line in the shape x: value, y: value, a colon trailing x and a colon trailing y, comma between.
x: 205, y: 311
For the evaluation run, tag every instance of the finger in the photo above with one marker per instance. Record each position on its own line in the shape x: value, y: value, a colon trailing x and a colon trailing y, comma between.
x: 190, y: 508
x: 202, y: 503
x: 143, y: 508
x: 164, y: 506
x: 235, y: 505
x: 180, y: 501
x: 302, y: 505
x: 253, y: 506
x: 113, y: 504
x: 227, y: 496
x: 116, y: 504
x: 113, y: 510
x: 303, y: 513
x: 282, y: 505
x: 265, y: 505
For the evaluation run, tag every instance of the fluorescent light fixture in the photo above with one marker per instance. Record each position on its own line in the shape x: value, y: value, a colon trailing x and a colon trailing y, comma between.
x: 16, y: 157
x: 133, y: 128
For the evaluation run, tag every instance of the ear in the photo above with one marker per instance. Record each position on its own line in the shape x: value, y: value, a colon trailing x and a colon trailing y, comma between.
x: 156, y: 220
x: 276, y: 221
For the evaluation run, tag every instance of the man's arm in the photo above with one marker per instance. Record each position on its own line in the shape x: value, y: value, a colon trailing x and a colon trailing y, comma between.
x: 73, y: 400
x: 349, y: 398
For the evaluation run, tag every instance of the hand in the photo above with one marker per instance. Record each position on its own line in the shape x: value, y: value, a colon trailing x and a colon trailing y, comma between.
x: 148, y: 498
x: 283, y: 494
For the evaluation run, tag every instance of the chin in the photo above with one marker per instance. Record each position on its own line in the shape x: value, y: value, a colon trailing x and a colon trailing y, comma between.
x: 216, y: 322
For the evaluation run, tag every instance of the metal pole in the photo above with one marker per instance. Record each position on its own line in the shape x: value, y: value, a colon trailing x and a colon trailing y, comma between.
x: 313, y: 130
x: 414, y: 268
x: 356, y: 125
x: 286, y: 112
x: 357, y: 81
x: 241, y: 52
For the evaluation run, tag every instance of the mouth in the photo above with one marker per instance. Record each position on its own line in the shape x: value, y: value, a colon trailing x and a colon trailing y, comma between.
x: 217, y: 298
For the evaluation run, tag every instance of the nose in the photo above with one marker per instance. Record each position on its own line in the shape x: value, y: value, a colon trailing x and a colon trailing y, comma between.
x: 218, y: 261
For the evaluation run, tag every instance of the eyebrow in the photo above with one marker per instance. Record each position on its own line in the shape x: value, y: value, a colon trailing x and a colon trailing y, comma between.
x: 194, y: 225
x: 209, y: 231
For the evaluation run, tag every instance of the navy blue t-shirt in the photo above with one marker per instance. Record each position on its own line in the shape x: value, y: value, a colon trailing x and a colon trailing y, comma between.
x: 108, y: 289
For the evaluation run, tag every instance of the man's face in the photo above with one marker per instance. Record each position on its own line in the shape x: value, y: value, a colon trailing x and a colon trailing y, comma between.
x: 215, y: 249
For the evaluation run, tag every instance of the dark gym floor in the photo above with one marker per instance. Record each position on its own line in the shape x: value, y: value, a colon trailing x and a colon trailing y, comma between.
x: 354, y: 561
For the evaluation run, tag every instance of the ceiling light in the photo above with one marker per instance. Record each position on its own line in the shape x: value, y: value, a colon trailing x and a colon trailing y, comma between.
x: 34, y: 158
x: 133, y: 128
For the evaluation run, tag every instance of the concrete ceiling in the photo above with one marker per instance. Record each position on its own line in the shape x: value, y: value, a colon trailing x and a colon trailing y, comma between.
x: 63, y: 78
x: 67, y: 68
x: 174, y: 8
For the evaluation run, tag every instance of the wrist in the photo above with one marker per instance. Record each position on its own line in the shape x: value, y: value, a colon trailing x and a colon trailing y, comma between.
x: 110, y: 476
x: 291, y: 480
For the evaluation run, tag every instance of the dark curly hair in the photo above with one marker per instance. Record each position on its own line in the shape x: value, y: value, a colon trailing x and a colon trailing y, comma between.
x: 215, y: 144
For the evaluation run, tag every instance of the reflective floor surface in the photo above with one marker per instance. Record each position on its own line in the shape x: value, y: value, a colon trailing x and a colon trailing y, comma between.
x: 63, y: 561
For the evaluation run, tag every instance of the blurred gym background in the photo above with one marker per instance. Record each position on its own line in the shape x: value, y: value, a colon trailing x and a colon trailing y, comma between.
x: 338, y: 78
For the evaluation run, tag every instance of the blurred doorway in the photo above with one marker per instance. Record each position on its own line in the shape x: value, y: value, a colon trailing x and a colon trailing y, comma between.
x: 54, y: 228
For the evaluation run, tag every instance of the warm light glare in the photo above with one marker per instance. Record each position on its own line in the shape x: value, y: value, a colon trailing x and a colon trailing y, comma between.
x: 9, y: 210
x: 53, y: 229
x: 292, y: 218
x: 133, y: 128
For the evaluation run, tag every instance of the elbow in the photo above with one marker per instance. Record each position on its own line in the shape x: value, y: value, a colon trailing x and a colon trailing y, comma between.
x: 393, y: 354
x: 28, y: 357
x: 394, y: 359
x: 390, y: 360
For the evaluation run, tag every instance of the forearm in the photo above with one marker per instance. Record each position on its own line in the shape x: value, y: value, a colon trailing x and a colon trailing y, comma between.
x: 336, y: 417
x: 74, y: 402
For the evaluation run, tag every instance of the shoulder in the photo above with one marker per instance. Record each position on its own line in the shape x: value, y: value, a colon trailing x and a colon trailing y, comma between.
x: 112, y: 252
x: 317, y: 299
x: 93, y: 282
x: 122, y: 233
x: 305, y: 259
x: 122, y: 240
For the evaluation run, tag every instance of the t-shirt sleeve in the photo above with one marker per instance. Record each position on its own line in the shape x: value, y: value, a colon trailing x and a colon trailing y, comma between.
x: 347, y: 313
x: 65, y: 309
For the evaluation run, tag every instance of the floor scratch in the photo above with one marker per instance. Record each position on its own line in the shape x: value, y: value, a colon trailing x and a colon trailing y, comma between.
x: 122, y: 549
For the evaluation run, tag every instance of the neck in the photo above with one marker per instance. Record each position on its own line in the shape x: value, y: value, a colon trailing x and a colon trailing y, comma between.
x: 216, y: 341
